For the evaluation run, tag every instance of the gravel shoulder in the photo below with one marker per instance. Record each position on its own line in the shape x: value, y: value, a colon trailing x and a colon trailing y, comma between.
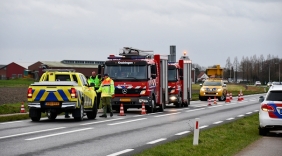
x: 10, y: 95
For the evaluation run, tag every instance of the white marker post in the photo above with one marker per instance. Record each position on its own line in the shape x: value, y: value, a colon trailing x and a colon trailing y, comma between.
x: 196, y: 132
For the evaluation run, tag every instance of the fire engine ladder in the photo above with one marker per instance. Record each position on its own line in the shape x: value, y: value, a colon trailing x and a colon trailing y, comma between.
x: 187, y: 82
x: 164, y: 79
x: 129, y: 51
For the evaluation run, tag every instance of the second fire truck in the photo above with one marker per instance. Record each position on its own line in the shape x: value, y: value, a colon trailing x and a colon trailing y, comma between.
x: 179, y: 82
x: 140, y: 77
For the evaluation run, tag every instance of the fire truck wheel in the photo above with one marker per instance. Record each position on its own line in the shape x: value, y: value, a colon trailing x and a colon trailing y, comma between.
x: 152, y: 108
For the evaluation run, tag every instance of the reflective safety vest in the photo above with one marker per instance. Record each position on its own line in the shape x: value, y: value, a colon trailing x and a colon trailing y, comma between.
x: 107, y: 88
x: 95, y: 80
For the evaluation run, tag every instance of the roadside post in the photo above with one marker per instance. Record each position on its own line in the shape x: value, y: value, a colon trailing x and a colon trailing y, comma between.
x: 196, y: 132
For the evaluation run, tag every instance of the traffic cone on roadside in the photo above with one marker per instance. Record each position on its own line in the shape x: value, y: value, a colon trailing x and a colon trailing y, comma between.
x: 121, y: 112
x: 214, y: 100
x: 227, y: 98
x: 22, y: 108
x: 209, y: 101
x: 143, y: 111
x: 231, y: 96
x: 239, y: 97
x: 242, y: 98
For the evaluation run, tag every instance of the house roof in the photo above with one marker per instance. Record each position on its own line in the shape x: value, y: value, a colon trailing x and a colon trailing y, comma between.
x: 2, y: 66
x: 59, y: 64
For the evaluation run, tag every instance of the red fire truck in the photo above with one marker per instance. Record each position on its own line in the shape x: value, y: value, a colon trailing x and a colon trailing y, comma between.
x: 179, y: 82
x: 140, y: 77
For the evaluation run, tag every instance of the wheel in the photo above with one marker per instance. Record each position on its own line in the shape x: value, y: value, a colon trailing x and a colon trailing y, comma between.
x: 34, y: 114
x: 263, y: 131
x: 201, y: 98
x: 51, y: 115
x: 78, y: 113
x: 93, y: 113
x: 161, y: 108
x: 151, y: 109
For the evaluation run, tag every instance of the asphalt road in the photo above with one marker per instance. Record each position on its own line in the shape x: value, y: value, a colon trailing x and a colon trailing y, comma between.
x: 119, y: 135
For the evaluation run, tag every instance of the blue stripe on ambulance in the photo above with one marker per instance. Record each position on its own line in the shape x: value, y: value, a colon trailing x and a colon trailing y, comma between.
x: 63, y: 95
x: 39, y: 95
x: 51, y: 97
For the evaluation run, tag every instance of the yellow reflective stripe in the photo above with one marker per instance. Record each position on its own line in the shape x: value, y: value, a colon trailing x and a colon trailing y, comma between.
x: 58, y: 96
x: 44, y: 96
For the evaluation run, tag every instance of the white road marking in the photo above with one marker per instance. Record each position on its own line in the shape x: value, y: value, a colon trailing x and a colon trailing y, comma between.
x: 230, y: 119
x: 156, y: 141
x: 215, y: 106
x: 9, y: 122
x: 45, y: 130
x: 173, y: 110
x: 218, y: 122
x: 249, y: 113
x: 181, y: 133
x: 167, y: 114
x: 101, y: 121
x: 256, y: 110
x: 230, y: 104
x: 205, y: 126
x: 121, y: 152
x: 155, y: 113
x: 240, y: 115
x: 51, y: 135
x: 118, y: 123
x: 195, y: 110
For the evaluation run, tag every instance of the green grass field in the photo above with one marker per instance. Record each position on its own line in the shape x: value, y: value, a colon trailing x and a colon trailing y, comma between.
x: 16, y: 82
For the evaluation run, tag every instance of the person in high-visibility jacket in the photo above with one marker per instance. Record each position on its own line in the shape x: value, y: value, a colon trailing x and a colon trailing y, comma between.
x: 96, y: 79
x: 107, y: 90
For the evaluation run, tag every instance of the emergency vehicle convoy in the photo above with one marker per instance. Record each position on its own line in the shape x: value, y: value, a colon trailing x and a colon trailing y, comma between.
x: 61, y: 90
x: 140, y: 77
x: 179, y: 82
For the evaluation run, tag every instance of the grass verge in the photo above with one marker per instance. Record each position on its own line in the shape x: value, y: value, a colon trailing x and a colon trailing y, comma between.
x: 16, y: 82
x: 227, y: 139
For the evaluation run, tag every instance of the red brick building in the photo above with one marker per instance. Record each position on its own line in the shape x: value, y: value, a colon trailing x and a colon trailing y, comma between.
x: 11, y: 71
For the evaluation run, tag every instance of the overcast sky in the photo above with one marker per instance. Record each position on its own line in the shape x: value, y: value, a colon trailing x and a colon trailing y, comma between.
x: 209, y: 30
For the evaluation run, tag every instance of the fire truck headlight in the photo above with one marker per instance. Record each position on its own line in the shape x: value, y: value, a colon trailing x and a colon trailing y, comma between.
x: 172, y: 98
x: 143, y: 100
x: 172, y: 91
x: 142, y: 92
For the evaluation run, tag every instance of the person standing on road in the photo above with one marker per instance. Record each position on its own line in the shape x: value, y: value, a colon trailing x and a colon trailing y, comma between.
x: 107, y: 90
x: 97, y: 80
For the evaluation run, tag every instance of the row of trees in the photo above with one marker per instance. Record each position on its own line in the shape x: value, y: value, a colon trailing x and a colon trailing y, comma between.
x: 254, y: 68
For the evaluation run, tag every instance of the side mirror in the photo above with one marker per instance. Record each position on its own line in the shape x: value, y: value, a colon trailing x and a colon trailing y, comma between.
x: 261, y: 99
x: 201, y: 84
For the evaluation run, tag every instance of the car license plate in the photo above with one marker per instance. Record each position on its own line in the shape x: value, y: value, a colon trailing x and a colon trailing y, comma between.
x: 125, y: 100
x: 52, y: 103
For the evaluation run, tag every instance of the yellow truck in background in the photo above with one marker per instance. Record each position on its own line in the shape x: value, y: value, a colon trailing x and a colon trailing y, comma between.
x: 213, y: 87
x: 62, y: 90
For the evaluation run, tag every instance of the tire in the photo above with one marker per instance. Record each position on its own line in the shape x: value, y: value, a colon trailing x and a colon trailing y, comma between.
x: 152, y: 108
x: 201, y: 98
x: 93, y: 113
x: 51, y: 115
x: 34, y: 114
x: 263, y: 131
x: 79, y: 113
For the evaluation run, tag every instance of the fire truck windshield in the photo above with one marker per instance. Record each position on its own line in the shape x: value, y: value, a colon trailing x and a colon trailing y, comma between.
x: 135, y: 72
x: 172, y: 74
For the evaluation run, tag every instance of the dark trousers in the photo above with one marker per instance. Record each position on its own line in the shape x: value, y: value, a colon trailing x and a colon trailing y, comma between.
x: 98, y: 97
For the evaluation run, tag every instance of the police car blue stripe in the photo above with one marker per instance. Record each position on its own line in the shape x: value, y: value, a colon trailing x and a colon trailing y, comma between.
x: 39, y: 95
x: 63, y: 95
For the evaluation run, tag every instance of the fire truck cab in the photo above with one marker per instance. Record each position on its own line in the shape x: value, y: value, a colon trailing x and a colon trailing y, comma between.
x: 179, y: 82
x: 139, y: 77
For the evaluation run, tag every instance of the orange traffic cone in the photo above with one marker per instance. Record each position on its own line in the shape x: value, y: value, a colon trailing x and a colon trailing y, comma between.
x: 209, y: 100
x: 22, y: 108
x: 214, y: 100
x: 239, y: 97
x: 143, y: 111
x: 121, y: 112
x: 227, y: 98
x: 242, y: 98
x: 230, y: 96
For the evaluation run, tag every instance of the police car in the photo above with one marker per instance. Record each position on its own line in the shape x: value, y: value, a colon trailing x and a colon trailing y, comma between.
x: 270, y: 113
